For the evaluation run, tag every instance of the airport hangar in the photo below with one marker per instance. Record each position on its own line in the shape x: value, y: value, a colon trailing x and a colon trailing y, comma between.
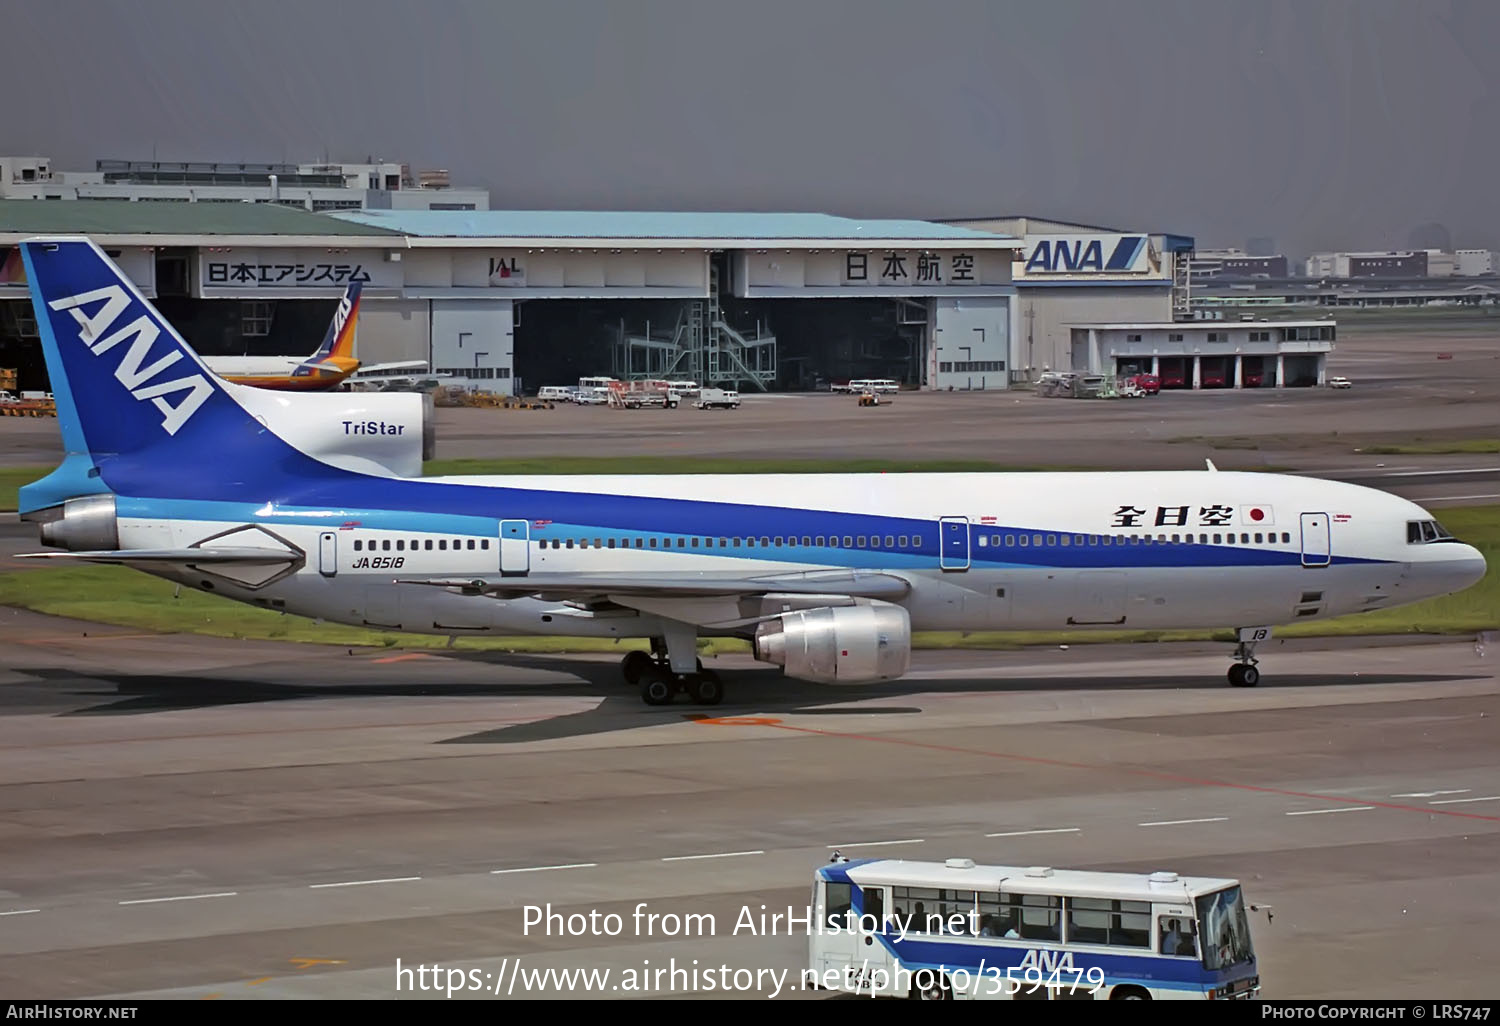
x: 1106, y: 301
x: 511, y: 300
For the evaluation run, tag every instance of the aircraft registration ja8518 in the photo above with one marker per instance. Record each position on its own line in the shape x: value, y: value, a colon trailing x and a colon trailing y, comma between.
x: 169, y: 471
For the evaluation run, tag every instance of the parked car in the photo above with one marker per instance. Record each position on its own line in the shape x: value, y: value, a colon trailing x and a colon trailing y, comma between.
x: 1149, y: 384
x: 1340, y: 383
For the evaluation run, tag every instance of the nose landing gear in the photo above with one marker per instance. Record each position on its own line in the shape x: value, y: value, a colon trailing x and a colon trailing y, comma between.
x: 1243, y: 673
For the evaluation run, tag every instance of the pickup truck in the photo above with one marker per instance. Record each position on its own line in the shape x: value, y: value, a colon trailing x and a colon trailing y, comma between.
x: 717, y: 399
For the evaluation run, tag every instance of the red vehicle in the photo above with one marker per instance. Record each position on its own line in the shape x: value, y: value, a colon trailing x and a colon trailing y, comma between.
x: 1173, y: 379
x: 1148, y: 383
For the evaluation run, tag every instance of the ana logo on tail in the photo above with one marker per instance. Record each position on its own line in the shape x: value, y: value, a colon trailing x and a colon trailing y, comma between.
x: 131, y: 370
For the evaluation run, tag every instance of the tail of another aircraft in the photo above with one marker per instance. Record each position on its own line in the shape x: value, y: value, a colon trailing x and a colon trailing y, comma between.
x: 340, y: 338
x: 136, y: 405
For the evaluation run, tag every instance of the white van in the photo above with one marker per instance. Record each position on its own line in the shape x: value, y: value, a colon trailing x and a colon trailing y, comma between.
x: 557, y: 393
x: 717, y: 399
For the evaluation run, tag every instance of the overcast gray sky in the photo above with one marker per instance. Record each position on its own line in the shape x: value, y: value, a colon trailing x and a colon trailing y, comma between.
x: 1320, y: 124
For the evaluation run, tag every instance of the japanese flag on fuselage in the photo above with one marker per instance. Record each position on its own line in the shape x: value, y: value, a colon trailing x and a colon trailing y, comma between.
x: 1257, y: 516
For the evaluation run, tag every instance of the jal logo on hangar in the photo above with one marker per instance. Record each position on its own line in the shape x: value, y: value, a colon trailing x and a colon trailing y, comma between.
x: 1097, y: 254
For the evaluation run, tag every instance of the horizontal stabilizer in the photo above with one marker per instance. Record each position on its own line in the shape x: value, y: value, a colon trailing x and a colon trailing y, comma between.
x: 183, y: 556
x: 854, y: 585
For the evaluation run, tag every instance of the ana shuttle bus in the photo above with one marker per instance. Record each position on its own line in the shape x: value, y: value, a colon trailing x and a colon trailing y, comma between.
x: 945, y: 930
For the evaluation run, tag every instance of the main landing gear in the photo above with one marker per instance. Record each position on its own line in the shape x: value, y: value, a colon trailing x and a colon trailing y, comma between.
x: 660, y: 683
x: 1243, y: 673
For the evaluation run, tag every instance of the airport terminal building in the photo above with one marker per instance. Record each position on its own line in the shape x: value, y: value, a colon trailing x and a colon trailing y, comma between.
x: 510, y: 301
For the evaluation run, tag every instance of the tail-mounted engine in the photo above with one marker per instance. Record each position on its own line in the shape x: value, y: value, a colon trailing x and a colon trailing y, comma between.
x: 85, y: 524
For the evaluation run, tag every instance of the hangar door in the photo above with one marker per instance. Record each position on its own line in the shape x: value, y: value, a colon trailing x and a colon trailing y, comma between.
x: 970, y: 343
x: 473, y: 343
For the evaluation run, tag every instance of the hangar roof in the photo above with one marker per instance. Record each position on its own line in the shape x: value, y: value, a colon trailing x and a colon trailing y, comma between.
x: 732, y: 230
x: 119, y: 217
x: 1257, y: 325
x: 1027, y: 224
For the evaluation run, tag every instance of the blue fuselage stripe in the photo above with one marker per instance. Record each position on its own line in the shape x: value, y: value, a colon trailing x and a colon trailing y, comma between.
x: 624, y: 519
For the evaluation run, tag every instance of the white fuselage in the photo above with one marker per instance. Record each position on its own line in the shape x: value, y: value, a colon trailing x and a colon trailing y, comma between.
x: 252, y: 366
x: 980, y: 551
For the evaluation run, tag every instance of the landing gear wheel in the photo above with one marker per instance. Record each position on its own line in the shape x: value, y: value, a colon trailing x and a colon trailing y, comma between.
x: 706, y: 689
x: 656, y: 689
x: 1243, y: 675
x: 634, y: 665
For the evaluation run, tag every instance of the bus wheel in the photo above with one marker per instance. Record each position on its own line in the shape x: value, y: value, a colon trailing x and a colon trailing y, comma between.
x: 930, y: 985
x: 1129, y: 994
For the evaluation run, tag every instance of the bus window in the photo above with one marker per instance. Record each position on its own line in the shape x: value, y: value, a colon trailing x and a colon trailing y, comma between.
x: 1178, y: 936
x: 935, y: 910
x: 997, y: 916
x: 874, y: 914
x: 836, y: 904
x: 1106, y: 921
x: 1226, y: 929
x: 1041, y: 916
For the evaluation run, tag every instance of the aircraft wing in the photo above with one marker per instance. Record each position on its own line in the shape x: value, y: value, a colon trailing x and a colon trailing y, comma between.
x: 702, y: 599
x: 852, y: 584
x: 226, y: 554
x: 419, y: 368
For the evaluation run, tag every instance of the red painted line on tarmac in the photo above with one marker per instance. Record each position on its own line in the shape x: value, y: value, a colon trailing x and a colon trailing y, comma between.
x: 407, y: 657
x: 766, y: 721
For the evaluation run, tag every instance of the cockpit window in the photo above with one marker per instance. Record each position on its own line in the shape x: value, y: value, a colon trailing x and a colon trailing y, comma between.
x: 1420, y: 532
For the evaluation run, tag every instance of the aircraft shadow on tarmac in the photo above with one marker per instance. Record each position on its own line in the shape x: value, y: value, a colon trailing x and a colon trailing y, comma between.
x: 748, y: 692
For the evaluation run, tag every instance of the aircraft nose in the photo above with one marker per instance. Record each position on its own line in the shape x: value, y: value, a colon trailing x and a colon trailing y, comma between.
x: 1461, y: 569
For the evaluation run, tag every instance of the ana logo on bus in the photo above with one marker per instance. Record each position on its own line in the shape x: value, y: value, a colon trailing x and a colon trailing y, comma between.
x: 1047, y: 961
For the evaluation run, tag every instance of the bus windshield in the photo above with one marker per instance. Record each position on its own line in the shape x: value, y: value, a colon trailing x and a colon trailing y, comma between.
x: 1224, y: 929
